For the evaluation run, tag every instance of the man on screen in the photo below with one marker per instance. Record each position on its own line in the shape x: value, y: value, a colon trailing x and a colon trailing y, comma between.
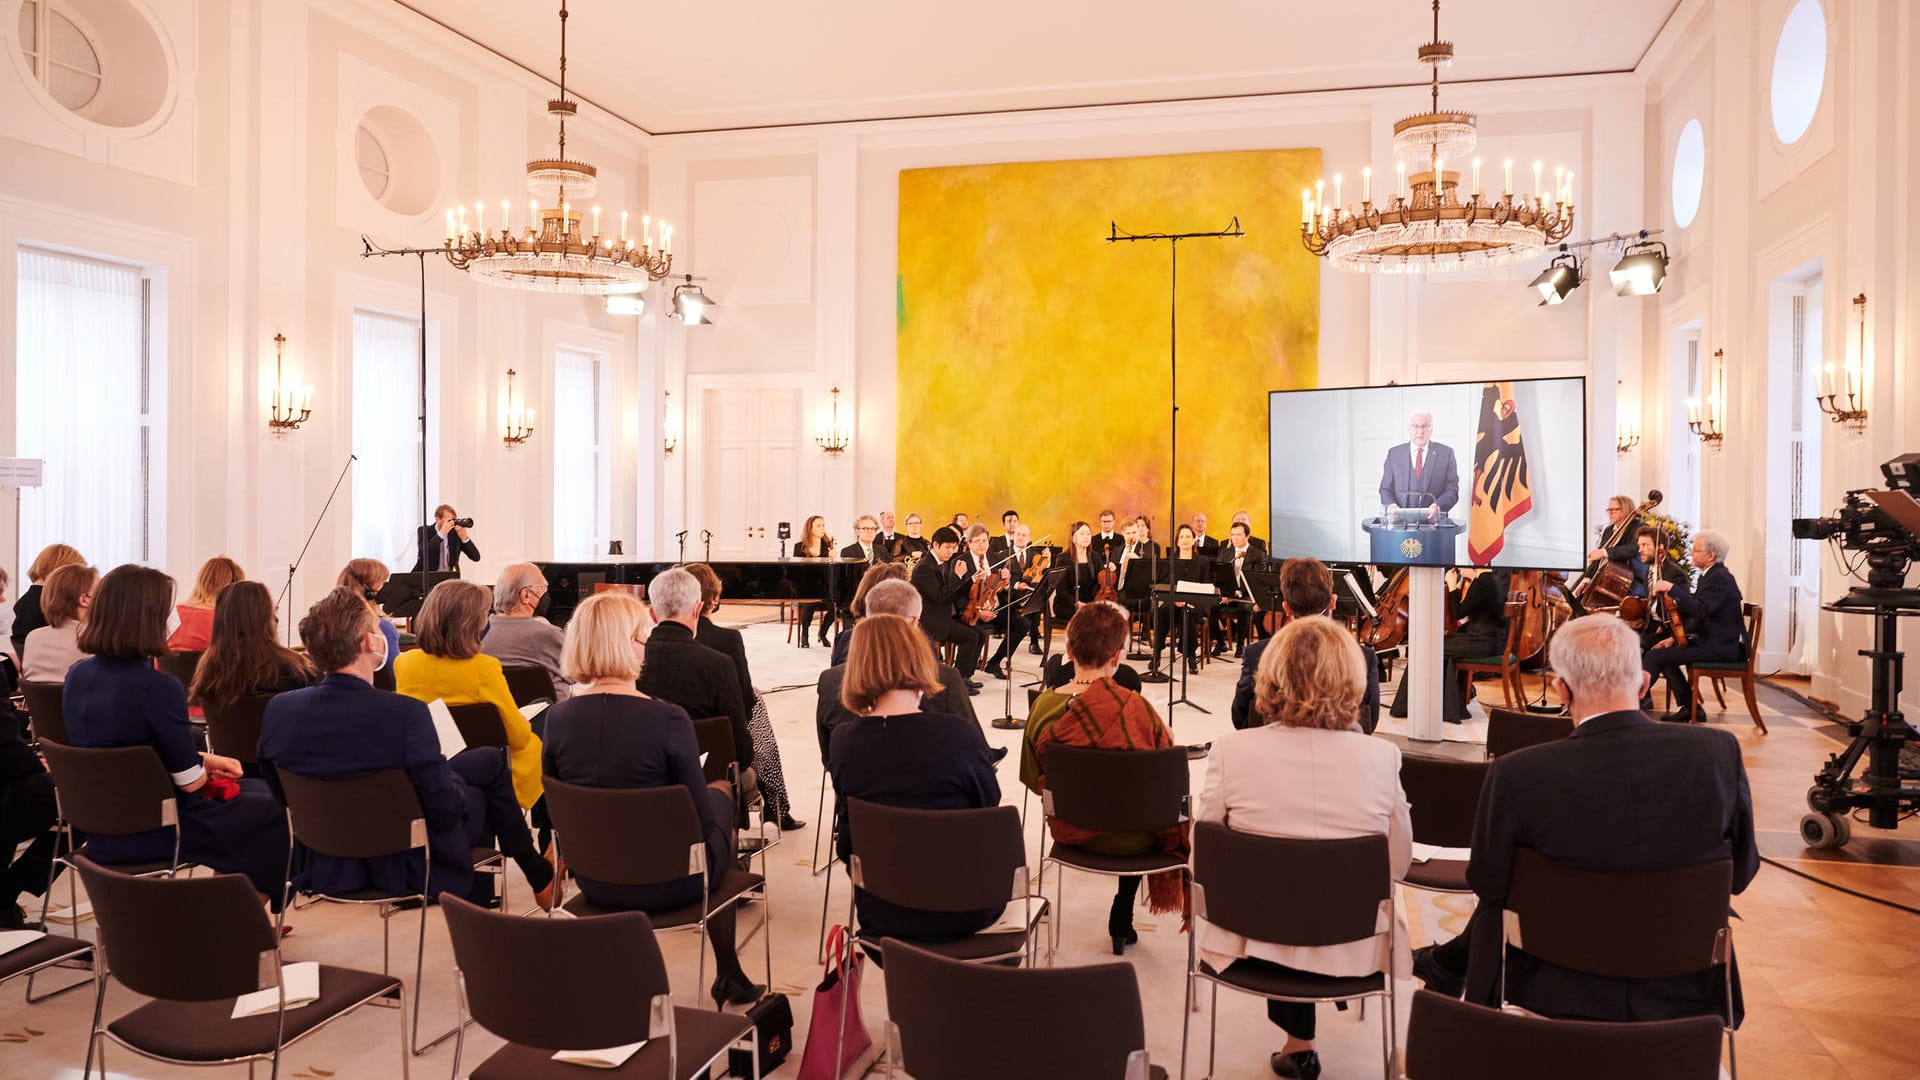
x: 1420, y: 472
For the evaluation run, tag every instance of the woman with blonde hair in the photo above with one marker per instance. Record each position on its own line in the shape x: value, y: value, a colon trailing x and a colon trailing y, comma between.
x: 449, y: 666
x: 610, y: 735
x: 1308, y: 772
x: 55, y: 647
x: 196, y: 611
x: 897, y: 754
x: 27, y: 616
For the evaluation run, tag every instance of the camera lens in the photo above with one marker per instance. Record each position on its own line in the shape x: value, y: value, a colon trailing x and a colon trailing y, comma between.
x: 465, y: 523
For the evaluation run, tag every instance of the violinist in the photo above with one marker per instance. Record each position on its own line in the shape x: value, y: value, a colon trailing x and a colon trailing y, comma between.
x: 1082, y: 581
x: 814, y: 543
x: 1243, y: 553
x: 1139, y: 561
x: 1024, y: 576
x: 992, y: 615
x: 942, y: 591
x: 1184, y: 564
x: 1715, y: 625
x: 1107, y: 543
x: 1645, y: 559
x: 998, y: 547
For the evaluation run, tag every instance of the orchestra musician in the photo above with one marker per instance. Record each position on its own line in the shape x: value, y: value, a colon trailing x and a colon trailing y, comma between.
x: 905, y: 547
x: 1420, y: 472
x: 814, y: 543
x: 1711, y: 613
x: 1144, y: 547
x: 1020, y: 556
x: 1106, y: 542
x: 1621, y: 521
x: 960, y: 524
x: 1184, y: 564
x: 1241, y: 517
x: 1082, y: 581
x: 1482, y: 633
x: 886, y: 536
x: 865, y: 546
x: 1243, y: 553
x: 998, y: 547
x: 1647, y: 540
x: 1203, y: 545
x: 942, y: 591
x: 979, y: 557
x: 1139, y: 563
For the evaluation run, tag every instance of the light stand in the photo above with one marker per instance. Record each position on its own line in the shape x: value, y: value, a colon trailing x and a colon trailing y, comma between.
x: 369, y: 251
x: 286, y: 592
x: 1115, y: 236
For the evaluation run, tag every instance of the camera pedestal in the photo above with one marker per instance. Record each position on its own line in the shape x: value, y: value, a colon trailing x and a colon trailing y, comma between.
x: 1878, y: 736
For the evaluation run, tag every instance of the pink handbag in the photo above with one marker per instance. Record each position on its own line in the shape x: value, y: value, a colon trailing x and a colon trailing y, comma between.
x: 836, y: 1009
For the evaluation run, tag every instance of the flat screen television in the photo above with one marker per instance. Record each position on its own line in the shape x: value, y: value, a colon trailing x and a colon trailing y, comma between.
x: 1437, y: 474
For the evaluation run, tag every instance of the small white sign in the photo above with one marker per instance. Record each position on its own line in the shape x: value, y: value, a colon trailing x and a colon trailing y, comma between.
x: 20, y: 471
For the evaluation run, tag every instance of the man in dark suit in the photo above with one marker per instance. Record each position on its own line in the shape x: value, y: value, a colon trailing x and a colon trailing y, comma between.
x: 1647, y: 556
x: 686, y: 673
x: 998, y: 546
x: 1243, y: 553
x: 1203, y: 545
x: 1241, y: 517
x: 728, y: 642
x: 1420, y: 472
x: 1107, y: 544
x: 344, y: 729
x: 866, y: 544
x: 1710, y: 611
x: 443, y: 543
x: 1622, y: 794
x: 902, y: 599
x: 941, y: 588
x: 1306, y: 586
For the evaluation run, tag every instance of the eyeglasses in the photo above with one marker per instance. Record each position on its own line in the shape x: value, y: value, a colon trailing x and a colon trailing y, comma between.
x: 866, y: 528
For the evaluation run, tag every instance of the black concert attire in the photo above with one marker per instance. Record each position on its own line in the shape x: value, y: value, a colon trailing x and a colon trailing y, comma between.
x: 1106, y: 548
x: 1206, y: 547
x: 1716, y: 631
x: 1238, y: 616
x: 1019, y: 561
x: 1166, y: 615
x: 1481, y: 637
x: 808, y: 610
x: 942, y: 591
x: 1080, y: 585
x: 1671, y: 570
x: 438, y: 552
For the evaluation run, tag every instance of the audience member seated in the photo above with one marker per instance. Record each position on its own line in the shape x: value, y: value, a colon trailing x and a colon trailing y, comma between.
x: 27, y: 616
x: 116, y: 697
x: 766, y: 750
x: 1306, y: 588
x: 891, y: 595
x: 449, y: 666
x: 1059, y: 671
x: 683, y: 671
x: 518, y: 633
x: 7, y: 651
x: 27, y: 815
x: 53, y: 649
x: 1096, y: 711
x: 366, y: 577
x: 343, y: 729
x: 244, y: 656
x: 1308, y: 773
x: 196, y: 611
x: 857, y: 609
x: 898, y: 753
x: 610, y: 735
x: 1623, y: 793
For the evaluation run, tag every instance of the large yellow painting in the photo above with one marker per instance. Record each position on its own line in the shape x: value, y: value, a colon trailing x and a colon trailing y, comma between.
x: 1033, y: 354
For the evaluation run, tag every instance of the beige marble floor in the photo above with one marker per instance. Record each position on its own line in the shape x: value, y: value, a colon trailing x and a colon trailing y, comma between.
x: 1828, y: 976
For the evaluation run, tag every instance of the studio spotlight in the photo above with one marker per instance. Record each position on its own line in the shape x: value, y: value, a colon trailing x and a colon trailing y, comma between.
x: 690, y: 304
x: 1641, y: 269
x: 1559, y: 279
x: 626, y: 304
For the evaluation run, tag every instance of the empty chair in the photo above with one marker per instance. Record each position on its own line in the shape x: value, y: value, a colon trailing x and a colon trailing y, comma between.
x: 546, y: 985
x: 181, y: 665
x: 949, y: 1020
x: 43, y: 710
x: 1509, y: 730
x: 1448, y: 1039
x: 1442, y: 798
x: 193, y: 945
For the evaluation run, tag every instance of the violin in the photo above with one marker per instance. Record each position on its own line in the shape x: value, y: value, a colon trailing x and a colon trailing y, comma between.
x: 983, y: 602
x: 1040, y: 565
x: 1108, y: 580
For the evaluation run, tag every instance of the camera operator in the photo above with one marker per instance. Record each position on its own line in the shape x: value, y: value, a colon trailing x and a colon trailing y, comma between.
x: 444, y: 542
x: 1716, y: 628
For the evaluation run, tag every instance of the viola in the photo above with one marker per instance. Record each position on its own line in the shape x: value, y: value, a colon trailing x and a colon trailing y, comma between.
x: 1388, y: 628
x: 1108, y: 580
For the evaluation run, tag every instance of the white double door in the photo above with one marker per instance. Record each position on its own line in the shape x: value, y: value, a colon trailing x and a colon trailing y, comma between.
x: 753, y: 476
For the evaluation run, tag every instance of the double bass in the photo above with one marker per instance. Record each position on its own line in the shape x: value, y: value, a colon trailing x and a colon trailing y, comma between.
x: 1608, y: 581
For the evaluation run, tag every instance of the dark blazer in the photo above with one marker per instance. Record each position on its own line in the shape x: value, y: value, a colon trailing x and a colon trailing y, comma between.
x: 728, y: 643
x: 997, y: 547
x: 853, y: 551
x: 1204, y: 546
x: 1243, y: 713
x: 1623, y: 793
x: 1628, y: 549
x: 344, y: 729
x: 429, y: 547
x: 1106, y: 549
x: 1256, y: 552
x: 829, y: 713
x: 1439, y: 476
x: 705, y: 683
x: 940, y: 589
x: 1712, y: 613
x: 26, y: 618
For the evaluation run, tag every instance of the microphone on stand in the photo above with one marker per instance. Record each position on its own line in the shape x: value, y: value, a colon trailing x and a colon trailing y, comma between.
x: 681, y: 536
x: 706, y: 542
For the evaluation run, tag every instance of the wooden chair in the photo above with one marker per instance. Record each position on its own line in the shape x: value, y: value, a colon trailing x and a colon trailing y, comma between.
x: 44, y: 712
x: 1722, y: 670
x: 1507, y: 664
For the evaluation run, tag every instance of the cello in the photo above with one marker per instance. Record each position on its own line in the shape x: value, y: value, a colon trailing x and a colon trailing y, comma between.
x: 1609, y: 581
x: 1536, y: 619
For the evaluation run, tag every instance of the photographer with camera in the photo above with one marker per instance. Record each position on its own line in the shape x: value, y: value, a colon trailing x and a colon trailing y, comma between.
x: 445, y: 541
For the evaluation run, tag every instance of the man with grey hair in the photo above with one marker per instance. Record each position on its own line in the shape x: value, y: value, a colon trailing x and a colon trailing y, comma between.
x: 518, y: 633
x: 894, y: 597
x: 683, y: 672
x: 1715, y: 624
x: 1420, y: 472
x: 1623, y: 794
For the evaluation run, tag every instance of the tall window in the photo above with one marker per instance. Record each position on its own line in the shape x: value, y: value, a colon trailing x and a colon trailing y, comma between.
x: 82, y: 403
x: 1689, y: 510
x: 386, y: 437
x: 580, y: 489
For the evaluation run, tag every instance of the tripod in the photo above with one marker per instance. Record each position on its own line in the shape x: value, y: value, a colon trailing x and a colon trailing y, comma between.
x: 1878, y: 736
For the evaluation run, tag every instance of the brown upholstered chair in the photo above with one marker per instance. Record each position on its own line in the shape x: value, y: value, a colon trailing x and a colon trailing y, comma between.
x: 946, y: 860
x: 529, y: 684
x: 181, y: 665
x: 233, y: 728
x: 480, y: 724
x: 44, y: 713
x: 646, y: 836
x: 194, y: 945
x: 1448, y: 1039
x: 714, y: 736
x: 1111, y: 791
x: 115, y: 791
x: 1509, y: 730
x: 949, y: 1020
x: 546, y: 985
x: 1722, y: 670
x: 1646, y: 925
x: 1251, y: 885
x: 1444, y: 796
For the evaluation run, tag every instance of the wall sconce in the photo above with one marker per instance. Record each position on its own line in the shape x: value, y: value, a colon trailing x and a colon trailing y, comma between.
x: 1850, y: 409
x: 291, y: 406
x: 1625, y: 438
x: 832, y: 437
x: 519, y: 421
x: 1707, y: 419
x: 669, y: 431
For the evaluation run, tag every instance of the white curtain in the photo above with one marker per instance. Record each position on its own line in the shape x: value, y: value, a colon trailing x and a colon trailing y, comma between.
x: 575, y: 425
x: 78, y: 406
x: 386, y: 438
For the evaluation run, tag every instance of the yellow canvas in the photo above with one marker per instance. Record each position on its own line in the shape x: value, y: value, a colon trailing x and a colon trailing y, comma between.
x: 1033, y: 354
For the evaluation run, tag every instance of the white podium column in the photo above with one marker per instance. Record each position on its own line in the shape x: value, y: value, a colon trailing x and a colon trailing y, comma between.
x: 1426, y: 617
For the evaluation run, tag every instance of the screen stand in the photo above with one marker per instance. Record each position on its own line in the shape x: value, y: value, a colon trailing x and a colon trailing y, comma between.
x: 1426, y: 615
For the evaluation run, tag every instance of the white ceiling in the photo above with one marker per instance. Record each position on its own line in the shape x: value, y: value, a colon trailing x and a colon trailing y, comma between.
x: 681, y: 66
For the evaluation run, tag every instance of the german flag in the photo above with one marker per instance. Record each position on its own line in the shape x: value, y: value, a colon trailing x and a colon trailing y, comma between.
x: 1501, y: 489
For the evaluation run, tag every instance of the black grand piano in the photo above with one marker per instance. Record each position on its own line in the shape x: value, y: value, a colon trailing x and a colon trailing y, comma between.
x: 783, y: 581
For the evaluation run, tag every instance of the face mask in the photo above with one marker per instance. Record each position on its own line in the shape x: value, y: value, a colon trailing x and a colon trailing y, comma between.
x: 540, y: 609
x: 381, y: 666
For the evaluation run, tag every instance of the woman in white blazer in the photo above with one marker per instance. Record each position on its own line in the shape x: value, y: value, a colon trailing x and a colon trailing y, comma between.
x: 1308, y: 773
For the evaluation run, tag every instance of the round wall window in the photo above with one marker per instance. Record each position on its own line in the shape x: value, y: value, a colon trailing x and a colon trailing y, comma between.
x: 101, y: 60
x: 1799, y: 70
x: 1689, y: 173
x: 396, y: 159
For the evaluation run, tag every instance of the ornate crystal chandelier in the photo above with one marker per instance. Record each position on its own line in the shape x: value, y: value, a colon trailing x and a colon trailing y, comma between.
x: 1429, y: 224
x: 553, y: 253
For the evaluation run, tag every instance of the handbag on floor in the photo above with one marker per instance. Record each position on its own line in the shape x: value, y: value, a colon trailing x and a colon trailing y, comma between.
x: 836, y: 1007
x: 772, y: 1020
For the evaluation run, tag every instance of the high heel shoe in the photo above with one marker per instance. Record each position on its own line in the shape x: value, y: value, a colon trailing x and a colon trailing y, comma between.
x: 1120, y: 927
x: 727, y: 992
x: 805, y: 642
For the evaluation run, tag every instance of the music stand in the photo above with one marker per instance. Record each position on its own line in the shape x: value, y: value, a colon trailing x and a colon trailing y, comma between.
x: 403, y: 594
x: 1043, y: 596
x: 1264, y: 585
x: 1190, y: 603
